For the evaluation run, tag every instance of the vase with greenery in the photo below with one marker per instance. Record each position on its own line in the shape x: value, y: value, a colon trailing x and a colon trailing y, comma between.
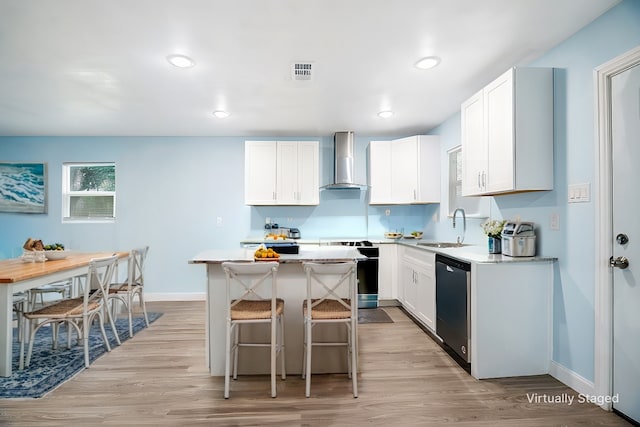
x: 493, y: 230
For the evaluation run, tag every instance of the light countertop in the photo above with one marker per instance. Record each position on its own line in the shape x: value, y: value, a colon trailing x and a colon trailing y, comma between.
x: 475, y: 253
x: 307, y: 254
x: 469, y: 253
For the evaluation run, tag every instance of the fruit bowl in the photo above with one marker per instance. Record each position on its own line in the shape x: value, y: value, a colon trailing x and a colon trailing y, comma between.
x: 265, y: 254
x: 415, y: 235
x: 55, y: 255
x: 392, y: 235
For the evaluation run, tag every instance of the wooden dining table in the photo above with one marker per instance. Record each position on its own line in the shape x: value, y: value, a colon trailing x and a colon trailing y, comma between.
x: 17, y: 276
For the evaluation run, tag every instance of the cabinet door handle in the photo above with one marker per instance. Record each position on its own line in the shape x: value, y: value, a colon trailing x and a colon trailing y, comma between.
x: 484, y: 179
x: 273, y: 194
x: 479, y: 183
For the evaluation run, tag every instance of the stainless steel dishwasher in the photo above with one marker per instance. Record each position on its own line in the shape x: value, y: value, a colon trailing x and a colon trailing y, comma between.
x: 453, y: 302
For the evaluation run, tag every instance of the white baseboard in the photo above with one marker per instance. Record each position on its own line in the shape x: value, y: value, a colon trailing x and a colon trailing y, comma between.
x: 195, y: 296
x: 571, y: 379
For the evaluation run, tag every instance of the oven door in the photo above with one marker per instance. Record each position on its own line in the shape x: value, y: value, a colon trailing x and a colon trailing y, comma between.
x: 368, y: 278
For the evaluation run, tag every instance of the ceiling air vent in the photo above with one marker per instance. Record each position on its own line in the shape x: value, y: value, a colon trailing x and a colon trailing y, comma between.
x: 302, y: 71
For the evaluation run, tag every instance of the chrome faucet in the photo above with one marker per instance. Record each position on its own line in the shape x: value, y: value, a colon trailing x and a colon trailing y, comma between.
x: 464, y: 224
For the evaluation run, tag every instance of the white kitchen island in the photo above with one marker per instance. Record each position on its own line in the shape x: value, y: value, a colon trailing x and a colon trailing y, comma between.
x: 292, y: 288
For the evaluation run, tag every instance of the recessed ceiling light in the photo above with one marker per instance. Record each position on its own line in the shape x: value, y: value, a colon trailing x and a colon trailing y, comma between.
x: 385, y: 114
x: 181, y: 61
x: 428, y: 62
x: 221, y: 114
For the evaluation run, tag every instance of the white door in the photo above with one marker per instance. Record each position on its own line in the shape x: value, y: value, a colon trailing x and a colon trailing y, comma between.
x: 625, y: 112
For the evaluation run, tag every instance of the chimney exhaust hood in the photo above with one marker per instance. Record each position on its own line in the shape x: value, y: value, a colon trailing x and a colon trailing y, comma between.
x: 344, y: 156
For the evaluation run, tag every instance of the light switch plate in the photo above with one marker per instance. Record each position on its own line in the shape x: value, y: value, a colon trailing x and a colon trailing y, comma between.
x: 579, y: 193
x: 555, y: 221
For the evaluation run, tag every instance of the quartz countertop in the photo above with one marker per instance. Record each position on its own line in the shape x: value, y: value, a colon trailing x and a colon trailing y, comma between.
x: 312, y: 254
x: 474, y: 253
x: 469, y: 253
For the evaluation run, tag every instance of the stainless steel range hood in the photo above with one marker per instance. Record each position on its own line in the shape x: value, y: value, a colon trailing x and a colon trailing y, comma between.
x: 344, y: 158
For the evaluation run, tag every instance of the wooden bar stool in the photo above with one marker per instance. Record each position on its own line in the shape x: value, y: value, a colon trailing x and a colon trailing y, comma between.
x: 335, y: 284
x: 251, y: 297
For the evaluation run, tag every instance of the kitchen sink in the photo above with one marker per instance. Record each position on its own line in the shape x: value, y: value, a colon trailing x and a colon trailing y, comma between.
x: 442, y: 244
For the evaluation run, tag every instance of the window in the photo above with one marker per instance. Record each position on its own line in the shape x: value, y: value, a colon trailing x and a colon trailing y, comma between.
x: 88, y: 192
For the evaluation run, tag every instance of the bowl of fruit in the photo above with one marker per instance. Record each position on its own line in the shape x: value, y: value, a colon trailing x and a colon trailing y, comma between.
x: 265, y: 254
x: 55, y: 251
x: 392, y: 235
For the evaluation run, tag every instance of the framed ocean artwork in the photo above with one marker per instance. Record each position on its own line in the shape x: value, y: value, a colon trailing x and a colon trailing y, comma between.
x: 23, y: 187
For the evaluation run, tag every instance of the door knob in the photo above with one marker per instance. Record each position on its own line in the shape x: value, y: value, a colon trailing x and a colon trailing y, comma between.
x: 620, y: 262
x: 622, y: 239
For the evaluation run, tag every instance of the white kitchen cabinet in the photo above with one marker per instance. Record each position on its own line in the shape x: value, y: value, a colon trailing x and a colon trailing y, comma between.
x: 387, y: 273
x: 380, y: 172
x: 507, y: 134
x: 511, y: 318
x: 282, y: 173
x: 405, y: 171
x: 260, y: 173
x: 418, y: 283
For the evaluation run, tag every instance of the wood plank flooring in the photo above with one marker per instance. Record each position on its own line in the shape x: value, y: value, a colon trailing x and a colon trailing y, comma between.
x: 159, y: 378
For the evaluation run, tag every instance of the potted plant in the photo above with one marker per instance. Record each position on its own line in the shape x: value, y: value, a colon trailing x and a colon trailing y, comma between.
x: 493, y: 230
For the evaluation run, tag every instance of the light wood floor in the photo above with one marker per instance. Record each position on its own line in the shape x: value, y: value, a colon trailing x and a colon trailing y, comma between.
x: 159, y: 378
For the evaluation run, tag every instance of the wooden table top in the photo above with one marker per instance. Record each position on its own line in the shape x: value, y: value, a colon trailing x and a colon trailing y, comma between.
x: 15, y: 270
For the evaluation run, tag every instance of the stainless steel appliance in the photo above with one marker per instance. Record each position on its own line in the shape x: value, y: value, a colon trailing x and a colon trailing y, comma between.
x: 344, y: 163
x: 367, y: 272
x: 294, y: 233
x: 289, y: 233
x: 453, y: 303
x: 518, y: 239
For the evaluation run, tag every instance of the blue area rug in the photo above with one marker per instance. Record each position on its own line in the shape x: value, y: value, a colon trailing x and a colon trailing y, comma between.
x: 49, y: 368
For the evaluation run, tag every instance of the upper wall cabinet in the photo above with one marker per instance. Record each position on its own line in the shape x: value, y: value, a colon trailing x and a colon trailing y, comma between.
x: 281, y: 173
x: 507, y: 134
x: 405, y: 171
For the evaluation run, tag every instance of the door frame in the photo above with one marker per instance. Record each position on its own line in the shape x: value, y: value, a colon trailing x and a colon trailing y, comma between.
x: 603, y: 74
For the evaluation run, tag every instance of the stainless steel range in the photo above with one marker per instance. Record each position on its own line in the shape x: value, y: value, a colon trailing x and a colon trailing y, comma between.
x: 367, y: 272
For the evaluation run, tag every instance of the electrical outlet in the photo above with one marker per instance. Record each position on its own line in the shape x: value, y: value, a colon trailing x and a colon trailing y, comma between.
x: 219, y: 221
x: 387, y: 212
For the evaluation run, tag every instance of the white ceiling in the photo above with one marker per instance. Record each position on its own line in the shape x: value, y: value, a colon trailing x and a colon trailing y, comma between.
x: 98, y: 67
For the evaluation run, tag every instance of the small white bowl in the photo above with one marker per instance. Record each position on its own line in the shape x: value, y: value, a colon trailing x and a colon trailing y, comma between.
x: 55, y: 255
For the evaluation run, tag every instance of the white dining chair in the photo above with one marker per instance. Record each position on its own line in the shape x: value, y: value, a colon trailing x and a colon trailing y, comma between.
x: 126, y: 292
x: 251, y: 298
x: 62, y: 288
x: 78, y: 313
x: 331, y: 299
x: 20, y: 306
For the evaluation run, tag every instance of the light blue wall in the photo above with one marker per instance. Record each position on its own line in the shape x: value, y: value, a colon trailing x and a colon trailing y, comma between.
x: 170, y: 192
x: 172, y: 189
x: 575, y: 146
